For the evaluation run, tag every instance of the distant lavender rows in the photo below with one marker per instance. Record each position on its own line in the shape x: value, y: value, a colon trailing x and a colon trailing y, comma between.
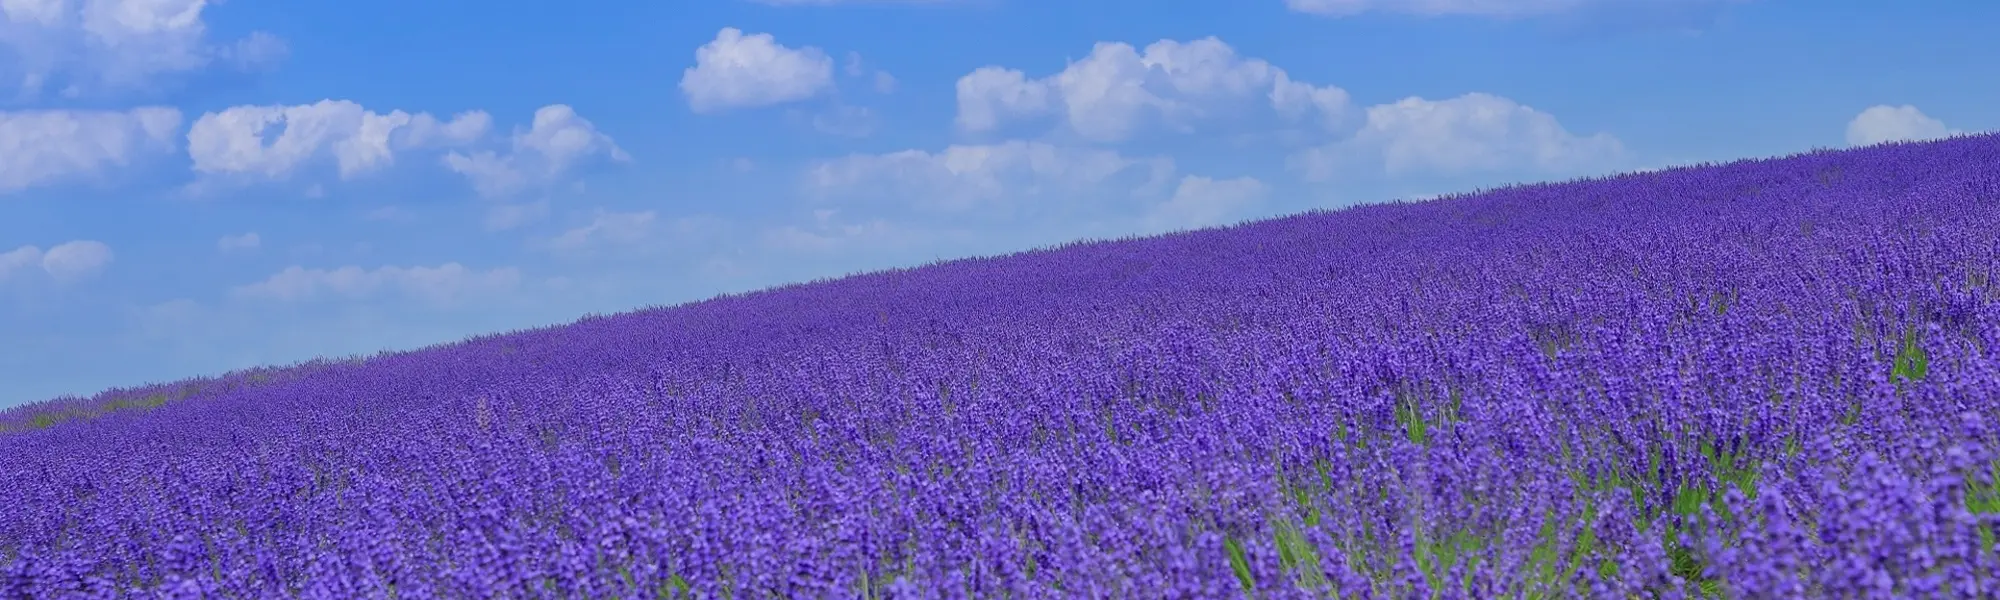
x: 1763, y: 379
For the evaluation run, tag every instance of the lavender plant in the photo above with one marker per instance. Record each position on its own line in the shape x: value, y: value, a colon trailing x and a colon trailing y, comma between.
x: 1764, y: 379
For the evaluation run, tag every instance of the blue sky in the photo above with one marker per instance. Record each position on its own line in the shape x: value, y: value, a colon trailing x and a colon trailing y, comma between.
x: 190, y: 187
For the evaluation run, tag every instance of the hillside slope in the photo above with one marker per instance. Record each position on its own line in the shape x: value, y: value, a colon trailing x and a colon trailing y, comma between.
x: 1765, y: 376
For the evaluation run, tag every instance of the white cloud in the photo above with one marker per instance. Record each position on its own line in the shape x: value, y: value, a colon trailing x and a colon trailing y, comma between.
x: 1119, y: 91
x: 885, y: 83
x: 1884, y: 123
x: 464, y: 128
x: 1203, y: 202
x: 237, y: 140
x: 67, y: 262
x: 444, y: 284
x: 45, y: 146
x: 1298, y: 100
x: 991, y: 93
x: 18, y: 259
x: 1110, y: 94
x: 561, y: 138
x: 246, y: 241
x: 85, y: 46
x: 491, y: 174
x: 606, y: 228
x: 555, y: 143
x: 963, y: 177
x: 72, y: 261
x: 747, y: 71
x: 1471, y: 133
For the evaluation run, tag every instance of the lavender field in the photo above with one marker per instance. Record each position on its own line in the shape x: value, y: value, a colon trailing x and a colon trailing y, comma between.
x: 1765, y: 379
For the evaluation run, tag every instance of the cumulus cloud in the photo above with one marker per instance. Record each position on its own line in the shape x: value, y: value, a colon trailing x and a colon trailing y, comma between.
x: 1118, y: 92
x: 1108, y: 95
x: 963, y: 177
x: 990, y: 93
x: 557, y: 142
x: 71, y: 261
x: 1471, y: 133
x: 1203, y: 202
x: 425, y: 131
x: 239, y: 140
x: 1884, y: 123
x: 45, y: 146
x: 87, y: 46
x: 18, y: 259
x: 67, y: 262
x: 747, y: 71
x: 1297, y: 100
x: 246, y: 241
x: 448, y: 283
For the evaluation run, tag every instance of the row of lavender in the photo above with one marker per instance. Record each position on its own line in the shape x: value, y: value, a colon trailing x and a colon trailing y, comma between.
x: 1764, y: 379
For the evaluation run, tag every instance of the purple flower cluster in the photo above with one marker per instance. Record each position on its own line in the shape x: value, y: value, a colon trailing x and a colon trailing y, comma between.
x: 1765, y: 379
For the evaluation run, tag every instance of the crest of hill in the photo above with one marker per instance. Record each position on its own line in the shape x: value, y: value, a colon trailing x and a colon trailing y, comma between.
x: 1471, y: 221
